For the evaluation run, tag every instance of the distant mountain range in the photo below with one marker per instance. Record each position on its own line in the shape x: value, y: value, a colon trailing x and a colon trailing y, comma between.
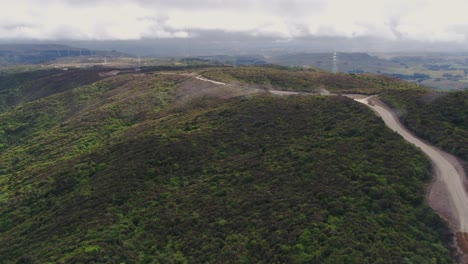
x: 445, y: 71
x: 357, y: 62
x: 42, y: 53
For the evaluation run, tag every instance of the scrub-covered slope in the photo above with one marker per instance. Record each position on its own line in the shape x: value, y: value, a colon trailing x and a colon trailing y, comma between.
x: 129, y: 169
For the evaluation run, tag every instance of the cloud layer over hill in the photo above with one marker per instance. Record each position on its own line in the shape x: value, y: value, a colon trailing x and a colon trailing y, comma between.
x: 422, y: 20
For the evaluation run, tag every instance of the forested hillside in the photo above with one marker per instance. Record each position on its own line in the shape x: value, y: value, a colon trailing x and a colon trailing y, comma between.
x: 440, y: 118
x: 163, y: 168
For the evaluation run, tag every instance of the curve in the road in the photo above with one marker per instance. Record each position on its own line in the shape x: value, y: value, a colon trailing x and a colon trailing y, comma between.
x: 447, y: 169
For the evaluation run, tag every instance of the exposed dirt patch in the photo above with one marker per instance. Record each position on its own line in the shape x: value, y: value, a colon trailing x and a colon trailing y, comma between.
x: 108, y: 73
x: 193, y: 89
x: 439, y: 200
x: 462, y: 241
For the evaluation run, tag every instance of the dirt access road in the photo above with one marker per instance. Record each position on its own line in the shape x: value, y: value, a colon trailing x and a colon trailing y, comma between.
x: 275, y: 92
x: 201, y: 78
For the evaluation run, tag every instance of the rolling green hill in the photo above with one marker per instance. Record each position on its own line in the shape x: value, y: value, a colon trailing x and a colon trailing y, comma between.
x: 162, y: 168
x: 441, y: 71
x: 298, y: 79
x: 346, y: 62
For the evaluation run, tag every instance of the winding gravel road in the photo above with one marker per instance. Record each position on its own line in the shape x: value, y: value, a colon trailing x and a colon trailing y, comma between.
x: 447, y: 168
x: 201, y: 78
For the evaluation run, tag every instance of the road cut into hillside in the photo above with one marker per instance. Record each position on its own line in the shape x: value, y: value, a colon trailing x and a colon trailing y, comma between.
x: 321, y: 91
x: 201, y: 78
x: 447, y: 194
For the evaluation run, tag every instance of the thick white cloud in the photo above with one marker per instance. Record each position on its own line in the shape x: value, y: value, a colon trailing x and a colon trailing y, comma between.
x: 425, y: 20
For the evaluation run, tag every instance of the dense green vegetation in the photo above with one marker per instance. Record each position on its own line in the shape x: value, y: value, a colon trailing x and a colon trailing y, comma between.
x: 121, y: 170
x: 299, y: 79
x: 440, y: 118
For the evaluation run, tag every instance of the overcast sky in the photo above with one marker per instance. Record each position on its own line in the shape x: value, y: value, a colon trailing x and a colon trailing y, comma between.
x: 422, y: 20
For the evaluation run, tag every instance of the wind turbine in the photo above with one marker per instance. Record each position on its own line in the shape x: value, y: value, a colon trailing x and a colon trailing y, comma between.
x: 335, y: 65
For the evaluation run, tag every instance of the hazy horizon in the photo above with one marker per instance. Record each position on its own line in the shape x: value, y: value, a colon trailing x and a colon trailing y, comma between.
x: 239, y: 27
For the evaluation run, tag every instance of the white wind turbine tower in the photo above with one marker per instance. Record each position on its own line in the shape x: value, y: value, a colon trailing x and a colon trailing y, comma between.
x: 335, y: 65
